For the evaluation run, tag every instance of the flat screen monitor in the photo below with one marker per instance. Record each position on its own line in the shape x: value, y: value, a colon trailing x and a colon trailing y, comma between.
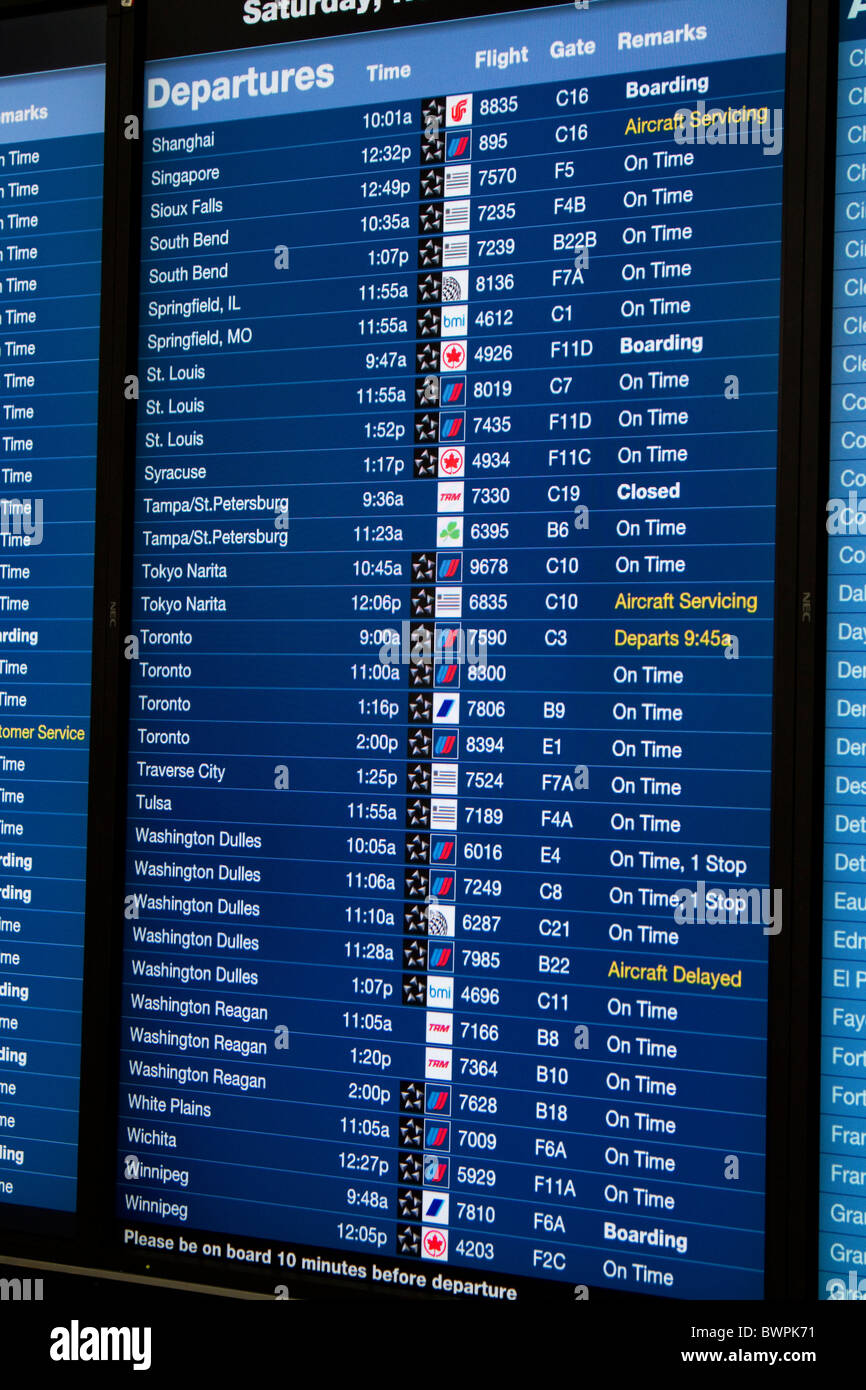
x: 52, y: 100
x: 448, y: 855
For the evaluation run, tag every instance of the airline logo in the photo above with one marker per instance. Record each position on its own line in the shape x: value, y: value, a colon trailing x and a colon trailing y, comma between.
x: 448, y: 640
x: 455, y: 286
x: 440, y: 993
x: 447, y: 674
x: 445, y: 745
x: 452, y: 391
x: 437, y: 1100
x: 437, y: 1066
x: 453, y: 356
x: 448, y: 567
x: 435, y: 1208
x: 443, y: 814
x: 449, y: 603
x: 440, y: 1030
x: 440, y: 956
x: 437, y: 1135
x: 456, y: 215
x: 459, y: 145
x: 436, y: 1170
x: 455, y: 251
x: 446, y: 709
x: 442, y: 885
x: 450, y: 532
x: 443, y: 780
x: 450, y: 496
x: 454, y: 323
x: 441, y: 919
x: 442, y: 849
x: 452, y: 464
x: 458, y: 110
x: 458, y: 181
x: 434, y: 1243
x: 452, y: 427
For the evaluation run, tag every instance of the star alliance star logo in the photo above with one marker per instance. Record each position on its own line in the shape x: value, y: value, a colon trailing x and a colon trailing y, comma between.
x: 418, y: 815
x: 411, y: 1095
x: 426, y: 465
x: 411, y: 1133
x: 409, y: 1205
x: 421, y: 675
x: 430, y: 253
x: 415, y: 920
x: 415, y: 993
x: 426, y: 428
x: 414, y: 958
x: 423, y: 567
x: 409, y: 1240
x: 432, y: 184
x: 420, y: 709
x: 432, y: 148
x: 423, y: 603
x: 417, y: 849
x: 429, y: 288
x: 420, y: 743
x: 416, y: 884
x: 427, y: 392
x: 427, y: 358
x: 418, y: 778
x: 429, y: 321
x: 432, y: 112
x: 410, y: 1168
x: 430, y: 218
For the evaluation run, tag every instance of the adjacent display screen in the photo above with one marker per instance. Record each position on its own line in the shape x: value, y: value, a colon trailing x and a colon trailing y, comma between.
x: 51, y: 172
x: 447, y: 926
x: 843, y: 1128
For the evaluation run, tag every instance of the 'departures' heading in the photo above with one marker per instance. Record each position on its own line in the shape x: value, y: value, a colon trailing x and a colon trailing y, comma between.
x: 252, y: 83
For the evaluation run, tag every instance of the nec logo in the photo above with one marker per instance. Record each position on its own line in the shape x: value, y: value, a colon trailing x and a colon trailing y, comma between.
x: 857, y: 7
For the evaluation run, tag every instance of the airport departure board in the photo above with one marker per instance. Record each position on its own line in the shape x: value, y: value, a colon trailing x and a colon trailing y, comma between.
x: 51, y: 176
x: 843, y: 1100
x: 447, y: 911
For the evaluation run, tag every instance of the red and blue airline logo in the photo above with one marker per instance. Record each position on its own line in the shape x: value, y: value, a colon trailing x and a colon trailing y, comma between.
x: 458, y: 145
x: 438, y: 1136
x: 441, y: 958
x: 447, y: 675
x: 451, y: 390
x: 449, y: 567
x: 438, y: 1100
x: 451, y: 427
x: 445, y: 746
x: 441, y: 851
x: 442, y: 886
x: 436, y: 1171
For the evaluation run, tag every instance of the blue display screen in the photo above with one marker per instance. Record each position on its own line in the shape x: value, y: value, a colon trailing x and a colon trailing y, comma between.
x: 51, y: 158
x: 843, y: 1130
x: 450, y: 743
